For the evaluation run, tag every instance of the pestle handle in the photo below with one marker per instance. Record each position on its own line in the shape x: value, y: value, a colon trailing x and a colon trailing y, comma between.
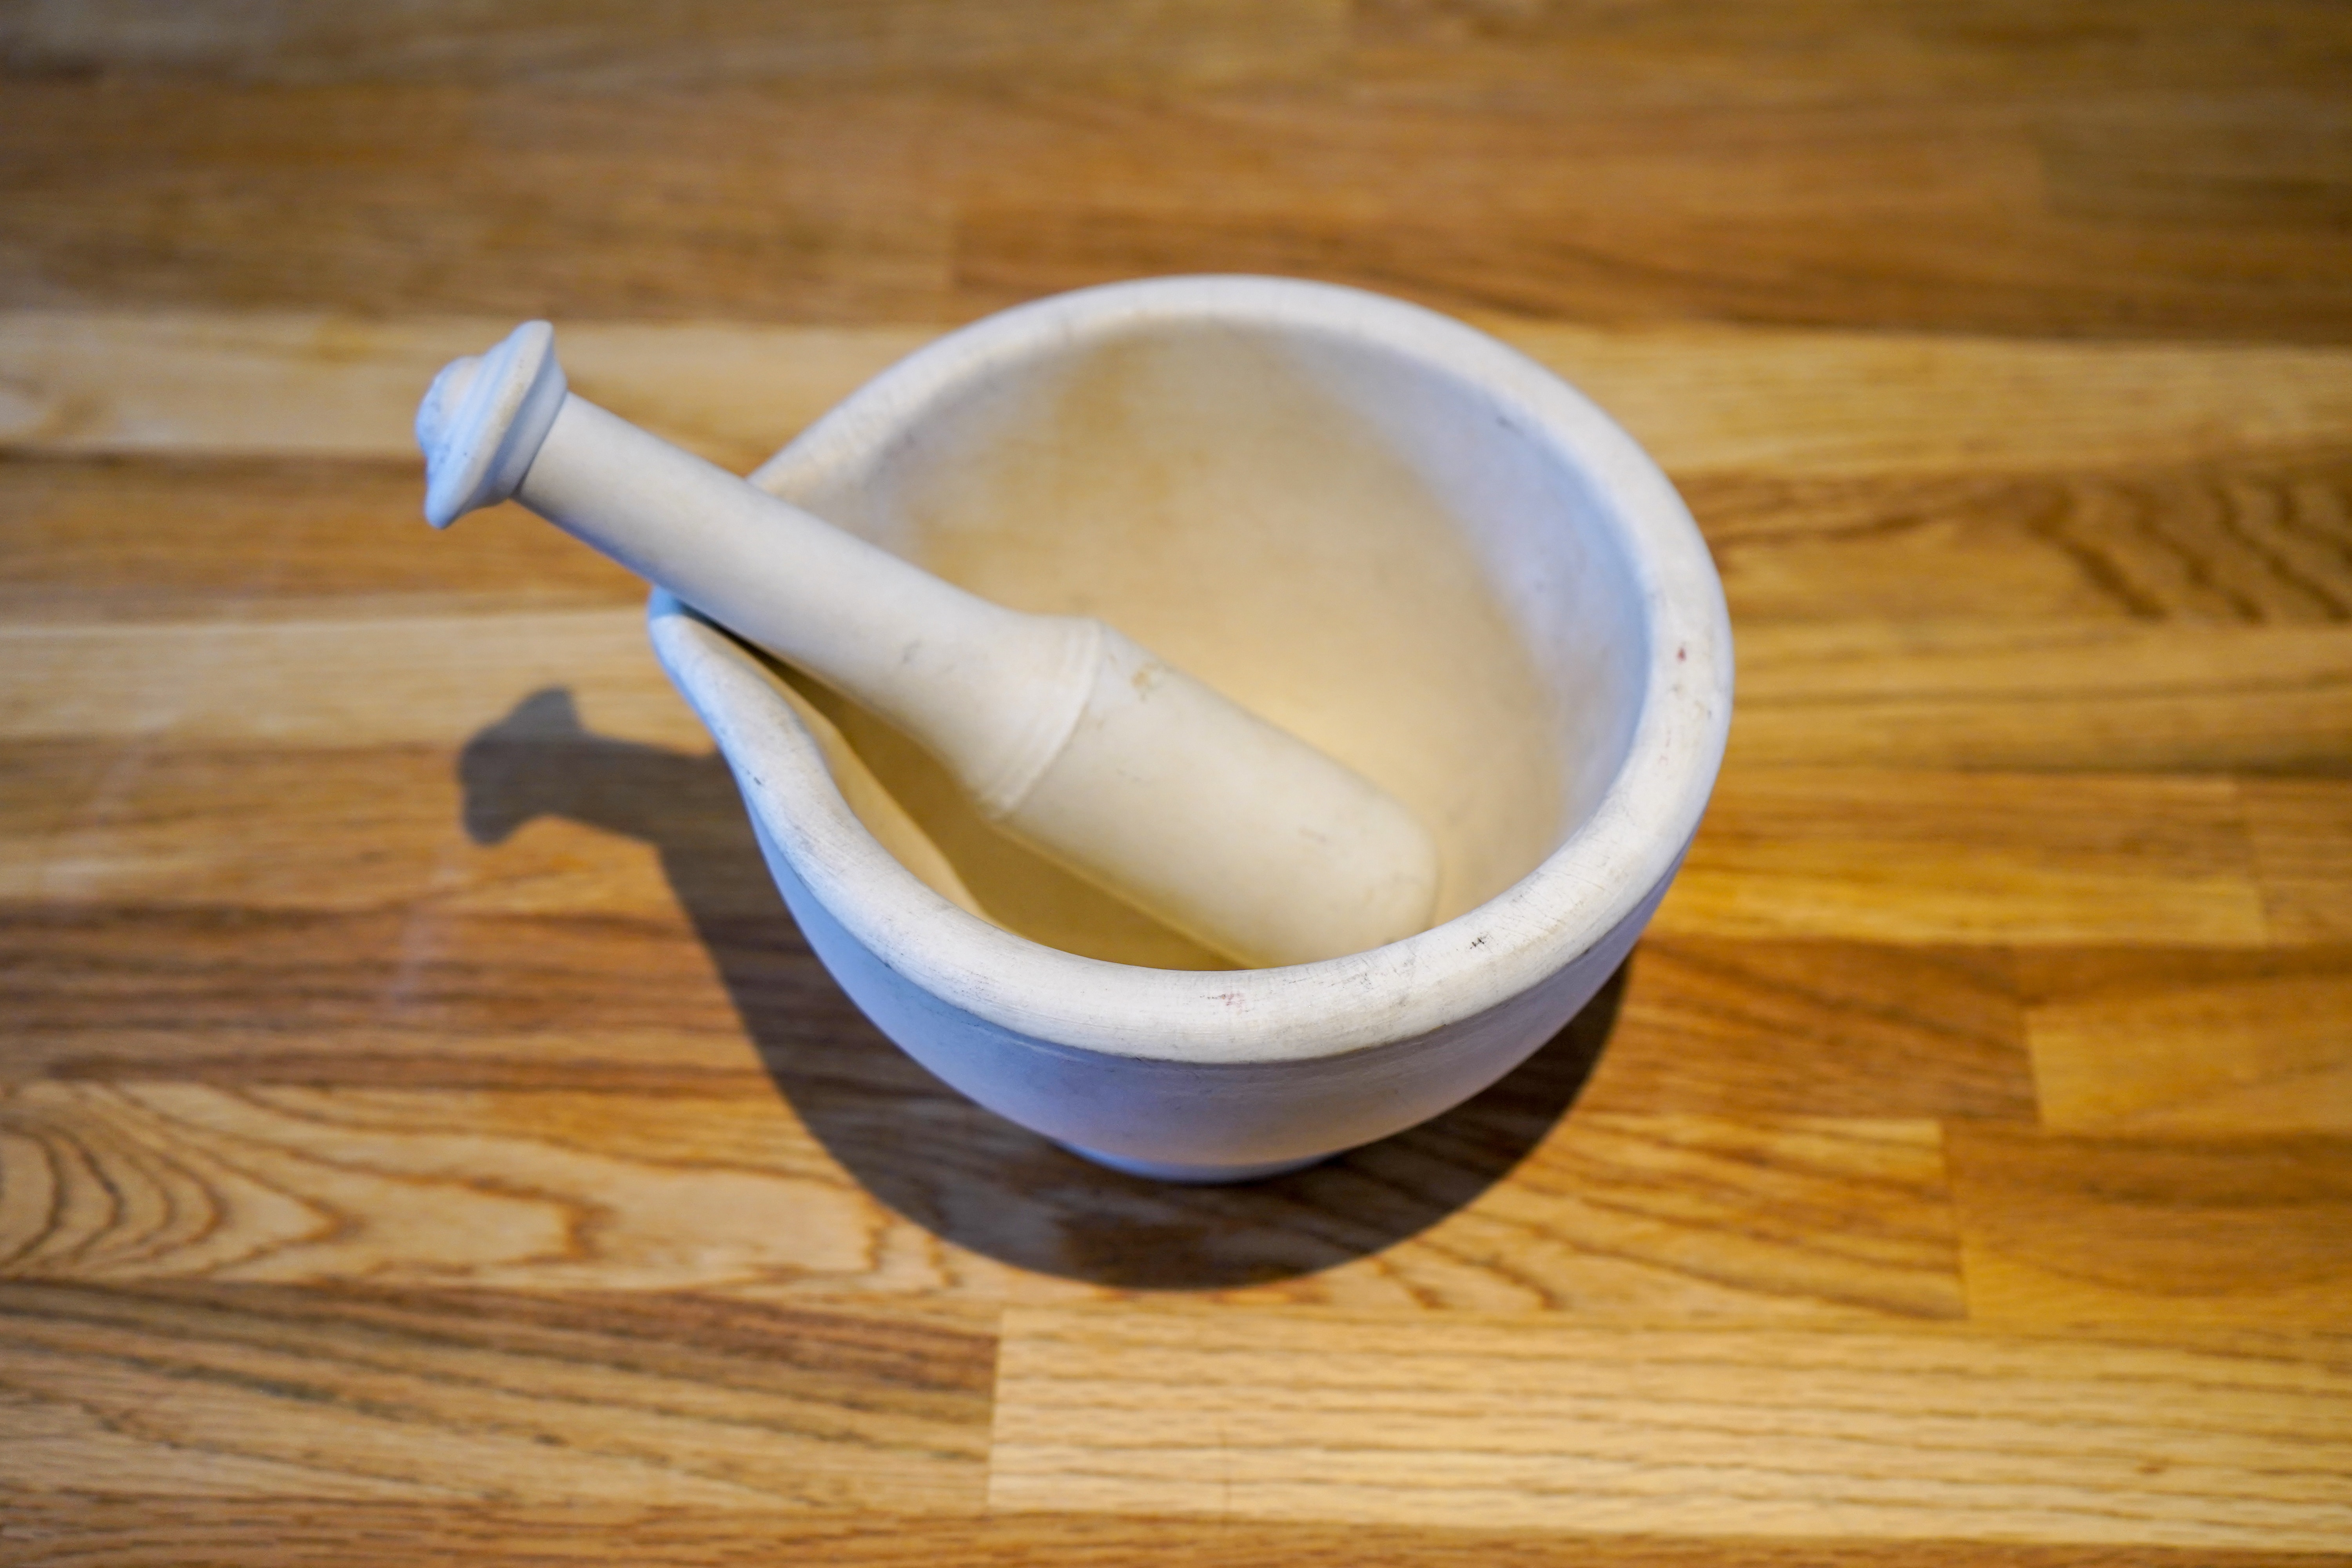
x: 1109, y: 760
x: 924, y: 654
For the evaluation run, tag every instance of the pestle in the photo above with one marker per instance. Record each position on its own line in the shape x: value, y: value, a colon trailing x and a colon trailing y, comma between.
x: 1082, y: 744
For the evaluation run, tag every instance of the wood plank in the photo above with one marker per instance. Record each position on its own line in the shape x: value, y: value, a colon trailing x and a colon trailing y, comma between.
x: 412, y: 998
x: 1877, y: 210
x: 867, y: 1180
x: 171, y: 1533
x: 1837, y: 50
x: 175, y: 539
x: 1756, y: 405
x: 1939, y: 859
x: 614, y: 45
x: 1519, y: 1424
x: 1732, y: 1027
x: 1751, y: 1217
x: 701, y: 203
x: 2277, y: 160
x: 582, y: 830
x: 2165, y: 1235
x: 2302, y: 833
x: 1904, y: 213
x: 1823, y: 404
x: 272, y: 382
x: 2190, y: 1044
x: 651, y: 1400
x: 2153, y: 697
x: 329, y: 681
x: 294, y: 1186
x: 2226, y: 540
x: 1822, y: 50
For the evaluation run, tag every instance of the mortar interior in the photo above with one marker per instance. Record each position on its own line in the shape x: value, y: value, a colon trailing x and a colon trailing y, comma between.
x: 1363, y: 550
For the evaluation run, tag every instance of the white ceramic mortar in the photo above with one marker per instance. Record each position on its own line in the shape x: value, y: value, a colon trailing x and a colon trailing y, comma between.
x: 1206, y: 1075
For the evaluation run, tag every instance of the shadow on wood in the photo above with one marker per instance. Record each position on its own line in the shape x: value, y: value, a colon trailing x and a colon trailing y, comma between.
x: 925, y: 1151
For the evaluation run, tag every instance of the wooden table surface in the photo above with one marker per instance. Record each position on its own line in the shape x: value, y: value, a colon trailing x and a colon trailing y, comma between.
x: 422, y: 1131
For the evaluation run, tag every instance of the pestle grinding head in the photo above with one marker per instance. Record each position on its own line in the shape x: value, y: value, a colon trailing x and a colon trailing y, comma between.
x: 483, y: 420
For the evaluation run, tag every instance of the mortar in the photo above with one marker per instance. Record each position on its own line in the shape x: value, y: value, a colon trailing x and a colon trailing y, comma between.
x: 1389, y: 533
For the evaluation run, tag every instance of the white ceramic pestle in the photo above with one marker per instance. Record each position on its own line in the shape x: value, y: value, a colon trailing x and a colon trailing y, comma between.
x: 1107, y: 760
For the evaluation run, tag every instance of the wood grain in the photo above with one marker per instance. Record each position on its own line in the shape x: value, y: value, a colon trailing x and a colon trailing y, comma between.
x: 276, y: 383
x: 407, y: 999
x: 1912, y: 212
x: 383, y: 680
x: 1820, y: 48
x: 1882, y: 855
x: 2168, y: 1234
x: 2112, y: 697
x: 447, y: 199
x: 2301, y: 834
x: 1813, y: 50
x: 2234, y: 159
x: 611, y: 45
x: 440, y: 831
x: 762, y: 1191
x: 171, y: 1532
x: 2221, y: 1045
x: 1820, y: 405
x: 2228, y: 539
x: 1693, y: 1432
x: 178, y: 539
x: 1984, y: 414
x: 441, y: 1395
x: 1744, y: 1027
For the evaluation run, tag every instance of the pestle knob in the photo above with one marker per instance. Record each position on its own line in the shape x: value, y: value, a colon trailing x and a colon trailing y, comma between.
x: 1107, y: 760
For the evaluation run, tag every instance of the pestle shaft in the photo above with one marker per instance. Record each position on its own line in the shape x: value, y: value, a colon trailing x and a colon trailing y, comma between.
x: 934, y: 660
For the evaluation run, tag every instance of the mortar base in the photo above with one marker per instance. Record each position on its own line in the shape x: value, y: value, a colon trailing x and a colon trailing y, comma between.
x: 1195, y: 1176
